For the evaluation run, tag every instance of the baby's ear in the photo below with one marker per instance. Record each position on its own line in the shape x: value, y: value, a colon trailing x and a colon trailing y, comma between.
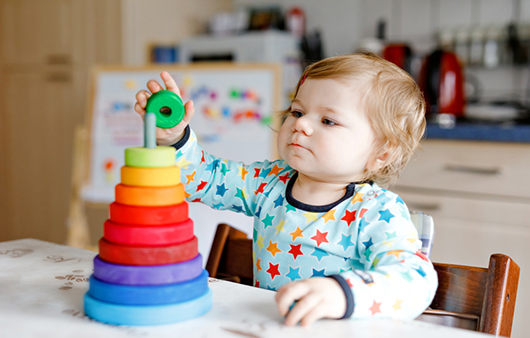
x: 382, y: 158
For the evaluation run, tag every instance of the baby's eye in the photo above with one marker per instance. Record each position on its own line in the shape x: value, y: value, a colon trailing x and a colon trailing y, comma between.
x: 297, y: 113
x: 328, y: 122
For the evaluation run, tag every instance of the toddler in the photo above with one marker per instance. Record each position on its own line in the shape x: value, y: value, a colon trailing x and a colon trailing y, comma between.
x: 326, y: 235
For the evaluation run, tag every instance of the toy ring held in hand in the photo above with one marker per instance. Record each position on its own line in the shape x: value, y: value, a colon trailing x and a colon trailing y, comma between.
x: 168, y: 108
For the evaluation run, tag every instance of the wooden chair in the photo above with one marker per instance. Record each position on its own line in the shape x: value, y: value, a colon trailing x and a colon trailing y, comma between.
x: 471, y: 298
x: 476, y: 298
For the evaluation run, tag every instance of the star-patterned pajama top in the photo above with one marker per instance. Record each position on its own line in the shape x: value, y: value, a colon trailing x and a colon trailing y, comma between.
x: 366, y: 240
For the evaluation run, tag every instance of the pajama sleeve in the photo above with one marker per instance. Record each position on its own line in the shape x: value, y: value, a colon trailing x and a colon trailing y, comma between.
x: 397, y: 281
x: 220, y: 184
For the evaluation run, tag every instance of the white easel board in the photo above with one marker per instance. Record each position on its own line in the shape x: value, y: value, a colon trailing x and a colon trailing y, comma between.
x: 235, y: 106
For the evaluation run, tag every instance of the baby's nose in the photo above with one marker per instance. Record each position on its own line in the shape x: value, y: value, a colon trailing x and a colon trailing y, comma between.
x: 303, y: 125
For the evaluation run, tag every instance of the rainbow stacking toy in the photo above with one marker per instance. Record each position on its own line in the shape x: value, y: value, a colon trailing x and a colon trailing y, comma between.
x: 149, y: 270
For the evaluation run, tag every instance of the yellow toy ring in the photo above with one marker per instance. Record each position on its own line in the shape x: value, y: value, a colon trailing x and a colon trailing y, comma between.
x: 150, y: 177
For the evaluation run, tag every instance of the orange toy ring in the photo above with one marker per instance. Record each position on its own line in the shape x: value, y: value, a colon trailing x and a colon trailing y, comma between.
x: 149, y: 196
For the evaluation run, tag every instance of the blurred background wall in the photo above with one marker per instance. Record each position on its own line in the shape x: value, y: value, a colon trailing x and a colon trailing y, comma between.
x: 48, y: 48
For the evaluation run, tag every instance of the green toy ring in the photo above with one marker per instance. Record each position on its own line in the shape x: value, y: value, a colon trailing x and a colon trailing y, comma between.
x: 168, y: 108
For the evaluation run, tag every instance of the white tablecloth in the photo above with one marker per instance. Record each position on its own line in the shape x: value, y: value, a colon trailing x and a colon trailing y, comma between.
x: 41, y: 295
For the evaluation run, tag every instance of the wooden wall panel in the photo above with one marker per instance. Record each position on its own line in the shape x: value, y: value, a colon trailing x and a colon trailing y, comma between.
x: 46, y: 57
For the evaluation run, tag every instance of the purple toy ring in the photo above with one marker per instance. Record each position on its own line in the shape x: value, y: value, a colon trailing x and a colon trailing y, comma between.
x: 147, y: 274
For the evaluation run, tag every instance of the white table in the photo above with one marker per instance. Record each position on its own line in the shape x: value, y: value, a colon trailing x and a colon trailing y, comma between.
x: 41, y: 295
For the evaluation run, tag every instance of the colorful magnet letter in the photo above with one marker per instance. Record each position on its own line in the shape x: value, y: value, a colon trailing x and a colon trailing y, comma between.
x: 130, y: 214
x: 149, y: 196
x: 148, y: 274
x: 147, y: 255
x: 150, y: 177
x: 150, y: 158
x: 147, y: 234
x: 135, y: 315
x: 168, y: 108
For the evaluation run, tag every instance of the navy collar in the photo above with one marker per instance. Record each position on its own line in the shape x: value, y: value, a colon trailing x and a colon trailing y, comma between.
x: 350, y: 190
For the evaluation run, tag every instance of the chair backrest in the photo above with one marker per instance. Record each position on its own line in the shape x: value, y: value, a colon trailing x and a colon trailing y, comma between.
x: 425, y: 226
x: 231, y: 255
x: 476, y: 298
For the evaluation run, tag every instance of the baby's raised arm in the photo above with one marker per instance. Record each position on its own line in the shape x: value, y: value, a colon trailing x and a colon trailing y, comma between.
x: 165, y: 137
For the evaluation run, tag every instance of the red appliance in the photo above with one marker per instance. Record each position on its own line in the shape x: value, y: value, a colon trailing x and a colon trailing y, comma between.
x: 399, y: 54
x: 442, y: 81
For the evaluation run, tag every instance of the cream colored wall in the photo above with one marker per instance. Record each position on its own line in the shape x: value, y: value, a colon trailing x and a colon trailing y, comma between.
x: 163, y: 21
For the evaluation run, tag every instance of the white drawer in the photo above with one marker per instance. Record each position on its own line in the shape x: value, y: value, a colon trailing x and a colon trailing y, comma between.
x: 509, y: 216
x: 499, y: 169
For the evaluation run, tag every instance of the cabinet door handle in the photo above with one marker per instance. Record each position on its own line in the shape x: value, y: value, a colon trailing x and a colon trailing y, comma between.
x: 472, y: 170
x: 59, y: 59
x: 58, y: 77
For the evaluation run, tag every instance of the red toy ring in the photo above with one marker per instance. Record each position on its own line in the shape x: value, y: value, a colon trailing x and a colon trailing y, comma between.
x: 130, y: 214
x: 147, y: 255
x: 148, y: 235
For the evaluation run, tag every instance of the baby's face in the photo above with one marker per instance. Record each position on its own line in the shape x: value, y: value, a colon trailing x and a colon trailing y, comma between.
x: 327, y: 136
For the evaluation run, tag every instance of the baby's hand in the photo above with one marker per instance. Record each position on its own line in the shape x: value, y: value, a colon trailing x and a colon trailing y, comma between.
x: 165, y: 137
x: 316, y: 297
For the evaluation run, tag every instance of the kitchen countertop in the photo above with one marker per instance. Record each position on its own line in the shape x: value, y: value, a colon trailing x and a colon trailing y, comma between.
x: 481, y: 132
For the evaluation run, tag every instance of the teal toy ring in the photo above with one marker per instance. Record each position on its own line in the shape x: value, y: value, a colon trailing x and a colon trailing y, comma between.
x: 168, y: 108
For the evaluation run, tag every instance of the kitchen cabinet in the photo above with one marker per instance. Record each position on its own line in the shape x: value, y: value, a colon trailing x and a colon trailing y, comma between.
x: 60, y: 32
x: 477, y: 193
x: 36, y: 32
x: 47, y: 49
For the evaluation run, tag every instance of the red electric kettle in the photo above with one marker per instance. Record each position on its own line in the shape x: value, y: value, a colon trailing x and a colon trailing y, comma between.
x: 442, y: 82
x: 399, y: 54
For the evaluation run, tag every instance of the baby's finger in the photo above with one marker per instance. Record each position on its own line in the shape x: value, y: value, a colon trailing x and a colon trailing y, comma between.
x: 189, y: 110
x: 141, y: 98
x: 301, y: 309
x: 288, y: 294
x: 139, y: 109
x: 170, y: 82
x: 154, y: 86
x: 313, y: 315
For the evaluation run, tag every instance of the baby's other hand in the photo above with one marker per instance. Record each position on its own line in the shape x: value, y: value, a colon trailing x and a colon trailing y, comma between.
x: 165, y: 137
x: 317, y: 297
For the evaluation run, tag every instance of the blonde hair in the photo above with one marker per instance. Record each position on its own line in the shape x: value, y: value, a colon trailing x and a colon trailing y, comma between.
x: 393, y: 103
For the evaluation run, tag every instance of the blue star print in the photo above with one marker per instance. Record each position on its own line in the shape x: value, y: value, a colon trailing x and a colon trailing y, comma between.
x: 319, y: 253
x: 221, y: 190
x: 346, y: 242
x: 278, y: 202
x: 293, y: 273
x: 386, y: 215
